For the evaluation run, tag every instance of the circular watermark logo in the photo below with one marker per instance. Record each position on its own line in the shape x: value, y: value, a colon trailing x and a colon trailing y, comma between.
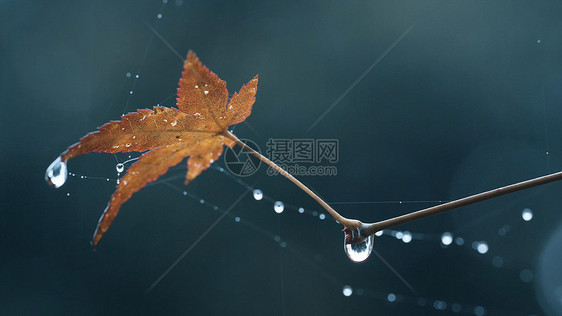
x: 240, y: 161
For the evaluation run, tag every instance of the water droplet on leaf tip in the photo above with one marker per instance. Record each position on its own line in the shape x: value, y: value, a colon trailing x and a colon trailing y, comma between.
x: 278, y: 207
x: 361, y: 251
x: 56, y: 173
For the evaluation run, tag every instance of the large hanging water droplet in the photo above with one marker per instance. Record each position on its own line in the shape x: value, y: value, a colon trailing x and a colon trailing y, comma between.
x: 278, y: 207
x: 258, y: 194
x: 119, y: 167
x: 361, y: 251
x: 56, y: 173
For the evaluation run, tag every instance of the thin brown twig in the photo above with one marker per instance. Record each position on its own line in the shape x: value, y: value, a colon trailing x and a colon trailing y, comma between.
x: 359, y: 231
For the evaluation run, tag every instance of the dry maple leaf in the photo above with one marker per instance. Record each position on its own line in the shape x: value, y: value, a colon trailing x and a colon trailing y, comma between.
x: 198, y: 129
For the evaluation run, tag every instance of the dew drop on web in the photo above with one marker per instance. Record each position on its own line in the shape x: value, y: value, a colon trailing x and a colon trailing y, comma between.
x: 119, y: 167
x: 278, y: 207
x: 258, y: 194
x: 56, y: 173
x: 361, y: 251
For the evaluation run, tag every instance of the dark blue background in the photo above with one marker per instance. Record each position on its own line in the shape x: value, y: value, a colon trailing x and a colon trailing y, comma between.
x: 467, y: 101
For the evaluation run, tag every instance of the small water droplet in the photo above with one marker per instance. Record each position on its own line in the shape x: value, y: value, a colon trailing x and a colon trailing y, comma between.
x: 119, y: 167
x: 237, y: 219
x: 301, y: 210
x: 407, y: 237
x: 322, y: 216
x: 131, y: 92
x: 137, y: 76
x: 526, y: 275
x: 128, y: 75
x: 206, y: 92
x: 361, y: 251
x: 527, y: 214
x: 68, y: 194
x: 446, y: 238
x: 482, y: 247
x: 258, y: 194
x: 459, y: 241
x: 497, y: 262
x: 174, y: 123
x: 184, y: 192
x: 278, y: 207
x: 159, y: 16
x: 202, y: 201
x: 56, y: 173
x: 347, y: 290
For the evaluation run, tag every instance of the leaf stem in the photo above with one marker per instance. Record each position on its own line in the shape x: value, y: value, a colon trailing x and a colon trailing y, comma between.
x: 368, y: 229
x: 344, y: 221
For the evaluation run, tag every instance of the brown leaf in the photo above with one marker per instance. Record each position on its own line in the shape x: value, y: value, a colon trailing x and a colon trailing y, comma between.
x: 169, y: 135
